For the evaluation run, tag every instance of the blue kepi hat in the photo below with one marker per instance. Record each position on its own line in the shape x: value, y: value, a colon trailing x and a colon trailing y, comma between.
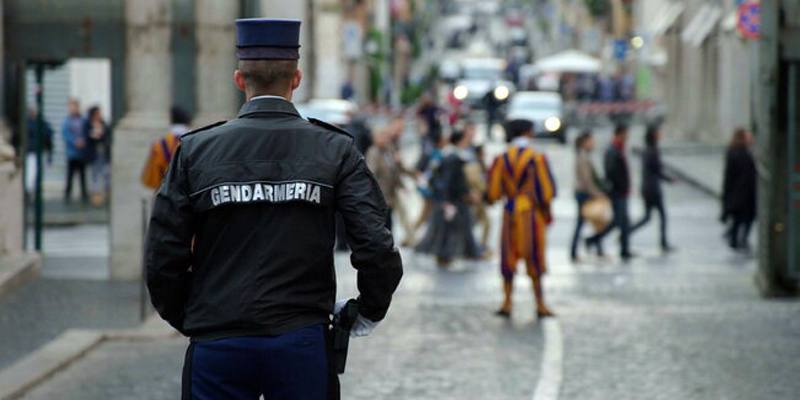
x: 267, y: 39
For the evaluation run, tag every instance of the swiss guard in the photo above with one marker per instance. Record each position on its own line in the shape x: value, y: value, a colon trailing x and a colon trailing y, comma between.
x: 239, y: 252
x: 522, y: 176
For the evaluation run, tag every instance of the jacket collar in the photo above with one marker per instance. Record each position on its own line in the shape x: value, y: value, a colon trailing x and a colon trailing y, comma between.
x: 267, y: 105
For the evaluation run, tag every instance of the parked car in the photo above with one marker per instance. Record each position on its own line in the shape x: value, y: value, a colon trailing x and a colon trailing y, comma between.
x: 333, y: 111
x: 544, y: 109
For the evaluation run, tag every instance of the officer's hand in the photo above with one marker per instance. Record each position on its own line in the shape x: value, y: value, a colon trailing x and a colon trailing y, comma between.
x: 362, y: 327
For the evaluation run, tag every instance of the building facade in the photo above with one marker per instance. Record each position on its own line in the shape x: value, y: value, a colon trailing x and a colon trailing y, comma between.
x: 160, y: 52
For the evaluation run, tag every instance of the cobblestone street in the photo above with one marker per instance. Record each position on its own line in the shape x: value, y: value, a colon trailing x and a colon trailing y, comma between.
x: 686, y: 325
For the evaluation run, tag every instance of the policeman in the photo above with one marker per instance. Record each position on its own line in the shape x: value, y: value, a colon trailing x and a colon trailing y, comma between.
x: 239, y: 253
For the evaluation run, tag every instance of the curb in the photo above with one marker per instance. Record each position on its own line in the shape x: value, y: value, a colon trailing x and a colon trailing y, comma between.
x: 49, y: 359
x: 69, y: 347
x: 684, y: 177
x: 23, y: 269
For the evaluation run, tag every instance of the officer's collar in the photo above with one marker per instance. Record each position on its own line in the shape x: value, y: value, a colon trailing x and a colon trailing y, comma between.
x: 267, y: 105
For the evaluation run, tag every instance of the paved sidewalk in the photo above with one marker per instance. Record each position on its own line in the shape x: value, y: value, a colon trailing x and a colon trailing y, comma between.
x: 698, y: 164
x: 34, y: 314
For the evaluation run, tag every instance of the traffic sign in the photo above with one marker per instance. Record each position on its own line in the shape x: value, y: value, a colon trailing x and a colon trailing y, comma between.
x: 748, y: 19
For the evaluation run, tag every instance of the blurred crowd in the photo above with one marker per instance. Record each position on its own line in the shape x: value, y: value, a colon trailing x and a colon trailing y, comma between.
x: 87, y: 149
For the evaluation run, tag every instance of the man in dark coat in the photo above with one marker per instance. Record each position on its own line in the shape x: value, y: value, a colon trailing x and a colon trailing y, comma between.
x: 619, y: 186
x: 652, y: 176
x: 239, y: 251
x: 739, y: 189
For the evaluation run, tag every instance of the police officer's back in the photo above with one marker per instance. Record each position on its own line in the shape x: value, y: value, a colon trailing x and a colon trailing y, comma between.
x: 240, y: 246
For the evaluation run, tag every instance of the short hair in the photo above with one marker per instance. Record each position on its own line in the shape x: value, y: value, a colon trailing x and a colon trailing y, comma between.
x: 92, y: 111
x: 650, y: 135
x: 517, y: 127
x: 179, y: 116
x: 268, y: 76
x: 620, y: 129
x: 739, y: 138
x: 580, y: 140
x: 456, y: 137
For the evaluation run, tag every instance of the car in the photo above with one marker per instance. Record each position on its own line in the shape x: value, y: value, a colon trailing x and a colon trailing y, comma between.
x: 544, y: 109
x: 334, y: 111
x: 479, y: 76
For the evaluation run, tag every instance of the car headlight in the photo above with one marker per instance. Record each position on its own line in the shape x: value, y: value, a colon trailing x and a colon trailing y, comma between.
x: 552, y: 124
x: 501, y: 93
x: 460, y: 92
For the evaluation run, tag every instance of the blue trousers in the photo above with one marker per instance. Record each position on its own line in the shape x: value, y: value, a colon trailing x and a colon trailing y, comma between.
x: 286, y: 367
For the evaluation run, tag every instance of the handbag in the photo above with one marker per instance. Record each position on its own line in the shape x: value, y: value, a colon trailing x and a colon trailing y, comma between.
x: 597, y: 211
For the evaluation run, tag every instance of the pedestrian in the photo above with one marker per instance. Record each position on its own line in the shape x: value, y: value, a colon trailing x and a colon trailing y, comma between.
x: 384, y: 163
x: 522, y: 176
x: 449, y: 233
x: 162, y: 150
x: 739, y: 189
x: 588, y: 185
x: 75, y: 144
x: 239, y: 252
x: 476, y: 172
x: 428, y: 115
x: 31, y: 166
x: 427, y: 169
x: 652, y: 175
x: 492, y: 105
x: 98, y: 133
x: 619, y: 186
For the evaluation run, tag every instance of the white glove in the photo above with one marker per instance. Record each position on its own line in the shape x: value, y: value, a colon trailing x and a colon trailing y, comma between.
x: 362, y: 326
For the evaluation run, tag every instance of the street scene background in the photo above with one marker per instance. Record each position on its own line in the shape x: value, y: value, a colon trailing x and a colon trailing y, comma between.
x: 91, y: 87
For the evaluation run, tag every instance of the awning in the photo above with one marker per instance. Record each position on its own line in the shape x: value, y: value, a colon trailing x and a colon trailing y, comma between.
x: 569, y: 61
x: 667, y: 15
x: 701, y: 25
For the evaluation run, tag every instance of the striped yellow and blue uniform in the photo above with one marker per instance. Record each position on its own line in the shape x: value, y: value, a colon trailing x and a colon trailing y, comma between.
x: 522, y: 176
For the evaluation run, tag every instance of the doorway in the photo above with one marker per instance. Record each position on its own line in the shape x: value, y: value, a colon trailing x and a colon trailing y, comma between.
x: 76, y: 179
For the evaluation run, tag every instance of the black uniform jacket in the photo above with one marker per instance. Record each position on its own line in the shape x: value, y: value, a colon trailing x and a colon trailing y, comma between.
x: 241, y: 237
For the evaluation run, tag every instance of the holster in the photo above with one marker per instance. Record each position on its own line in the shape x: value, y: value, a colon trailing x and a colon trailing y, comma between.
x: 337, y: 341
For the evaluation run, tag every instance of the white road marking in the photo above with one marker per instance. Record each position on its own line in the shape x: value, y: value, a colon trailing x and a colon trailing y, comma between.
x: 552, y: 366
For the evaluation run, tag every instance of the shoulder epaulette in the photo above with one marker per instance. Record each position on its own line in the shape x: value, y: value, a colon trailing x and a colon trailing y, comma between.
x: 328, y: 126
x: 205, y: 128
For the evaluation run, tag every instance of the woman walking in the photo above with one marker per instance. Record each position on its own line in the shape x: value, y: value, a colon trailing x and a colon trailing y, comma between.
x: 99, y: 149
x: 652, y: 175
x: 587, y: 185
x: 739, y: 189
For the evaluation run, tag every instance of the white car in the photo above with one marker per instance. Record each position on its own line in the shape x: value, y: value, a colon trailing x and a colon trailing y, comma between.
x: 544, y: 109
x: 480, y: 76
x: 333, y: 111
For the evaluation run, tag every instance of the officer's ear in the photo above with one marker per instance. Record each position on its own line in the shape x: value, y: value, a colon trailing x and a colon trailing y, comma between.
x: 238, y: 80
x: 297, y: 78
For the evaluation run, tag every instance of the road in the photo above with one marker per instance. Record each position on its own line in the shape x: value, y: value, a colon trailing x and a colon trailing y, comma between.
x: 686, y: 325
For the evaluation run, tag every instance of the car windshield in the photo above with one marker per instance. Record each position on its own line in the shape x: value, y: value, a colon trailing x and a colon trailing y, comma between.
x: 536, y: 104
x: 488, y: 73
